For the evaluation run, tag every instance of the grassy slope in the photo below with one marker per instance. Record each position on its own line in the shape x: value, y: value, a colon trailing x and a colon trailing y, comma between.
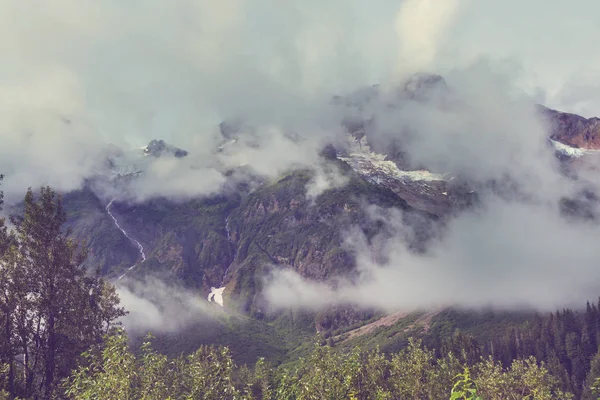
x: 248, y: 338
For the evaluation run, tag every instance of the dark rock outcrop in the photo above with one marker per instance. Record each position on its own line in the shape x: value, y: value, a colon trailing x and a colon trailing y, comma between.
x: 159, y: 148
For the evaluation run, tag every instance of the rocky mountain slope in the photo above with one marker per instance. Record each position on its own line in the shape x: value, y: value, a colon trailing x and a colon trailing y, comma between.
x: 205, y: 241
x: 573, y: 130
x: 235, y: 238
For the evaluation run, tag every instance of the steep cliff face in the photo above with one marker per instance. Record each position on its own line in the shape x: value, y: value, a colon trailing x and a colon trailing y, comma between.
x: 279, y: 227
x: 108, y: 248
x: 183, y: 241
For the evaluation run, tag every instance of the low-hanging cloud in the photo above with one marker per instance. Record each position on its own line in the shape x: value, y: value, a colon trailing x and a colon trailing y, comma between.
x: 506, y: 255
x: 156, y: 306
x: 515, y: 249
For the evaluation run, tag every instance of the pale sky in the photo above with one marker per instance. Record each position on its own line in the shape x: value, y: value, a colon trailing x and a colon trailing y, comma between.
x: 553, y: 41
x: 127, y: 72
x: 142, y: 69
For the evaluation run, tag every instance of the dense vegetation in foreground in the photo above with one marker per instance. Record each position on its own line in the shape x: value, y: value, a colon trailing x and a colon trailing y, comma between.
x: 59, y: 339
x: 209, y: 373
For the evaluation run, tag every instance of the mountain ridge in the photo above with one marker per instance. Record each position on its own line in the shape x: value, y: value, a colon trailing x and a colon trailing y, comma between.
x: 235, y: 238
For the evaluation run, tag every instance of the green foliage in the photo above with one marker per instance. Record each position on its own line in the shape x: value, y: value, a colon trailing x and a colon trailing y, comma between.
x: 115, y: 373
x: 50, y: 309
x: 109, y: 375
x: 595, y: 388
x: 4, y: 370
x: 210, y: 373
x: 525, y: 379
x: 464, y: 388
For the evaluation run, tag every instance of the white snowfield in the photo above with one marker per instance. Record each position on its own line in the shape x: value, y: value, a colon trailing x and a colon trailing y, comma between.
x: 374, y: 165
x: 216, y: 295
x: 366, y: 162
x: 570, y: 150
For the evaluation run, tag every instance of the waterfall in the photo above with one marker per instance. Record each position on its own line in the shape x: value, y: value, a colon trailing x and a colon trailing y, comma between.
x: 228, y: 230
x: 132, y: 240
x: 216, y: 294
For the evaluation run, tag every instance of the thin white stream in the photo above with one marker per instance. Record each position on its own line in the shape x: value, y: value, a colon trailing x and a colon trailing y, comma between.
x: 227, y: 229
x: 216, y: 294
x: 138, y: 244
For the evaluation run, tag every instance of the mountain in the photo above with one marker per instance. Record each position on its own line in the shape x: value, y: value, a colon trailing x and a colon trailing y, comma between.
x: 214, y: 240
x: 572, y: 130
x: 233, y: 239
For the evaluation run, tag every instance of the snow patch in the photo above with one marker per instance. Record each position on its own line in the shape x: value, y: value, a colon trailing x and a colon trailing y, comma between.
x: 571, y: 151
x: 216, y: 295
x: 374, y: 165
x: 566, y: 149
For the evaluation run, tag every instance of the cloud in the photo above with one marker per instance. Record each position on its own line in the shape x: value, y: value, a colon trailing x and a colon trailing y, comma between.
x: 580, y: 94
x: 128, y: 72
x: 157, y: 306
x: 175, y: 178
x: 550, y: 41
x: 125, y: 73
x: 508, y: 255
x: 421, y: 25
x: 515, y: 249
x: 327, y: 176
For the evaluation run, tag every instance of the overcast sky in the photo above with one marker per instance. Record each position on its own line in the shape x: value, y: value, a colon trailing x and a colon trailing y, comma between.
x: 127, y: 72
x: 142, y: 69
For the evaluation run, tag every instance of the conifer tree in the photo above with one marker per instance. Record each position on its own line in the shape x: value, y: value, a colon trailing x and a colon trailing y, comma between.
x: 55, y: 309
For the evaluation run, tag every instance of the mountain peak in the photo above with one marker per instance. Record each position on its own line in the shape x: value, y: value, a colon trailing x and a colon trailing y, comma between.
x: 158, y: 148
x: 421, y: 85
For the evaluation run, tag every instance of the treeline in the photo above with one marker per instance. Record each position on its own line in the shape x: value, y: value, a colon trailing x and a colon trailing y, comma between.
x: 51, y: 310
x: 566, y: 341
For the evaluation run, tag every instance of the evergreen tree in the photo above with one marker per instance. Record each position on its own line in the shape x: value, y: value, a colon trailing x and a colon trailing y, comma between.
x: 55, y: 310
x: 7, y: 305
x: 592, y: 375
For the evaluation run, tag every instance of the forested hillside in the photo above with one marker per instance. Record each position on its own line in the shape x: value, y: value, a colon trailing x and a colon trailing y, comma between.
x: 60, y: 339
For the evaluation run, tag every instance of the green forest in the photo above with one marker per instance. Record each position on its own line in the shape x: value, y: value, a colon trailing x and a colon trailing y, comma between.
x: 60, y: 339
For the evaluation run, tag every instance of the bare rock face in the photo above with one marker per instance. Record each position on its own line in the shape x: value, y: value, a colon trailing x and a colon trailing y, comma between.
x: 571, y: 129
x: 158, y: 148
x: 234, y: 239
